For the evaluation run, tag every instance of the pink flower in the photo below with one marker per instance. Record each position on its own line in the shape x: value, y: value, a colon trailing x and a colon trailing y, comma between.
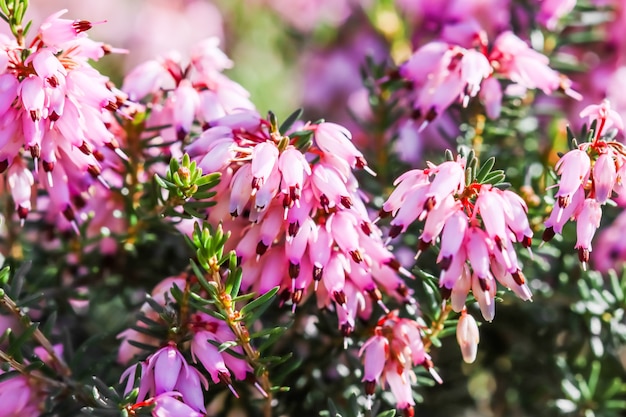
x: 390, y: 356
x: 165, y: 405
x: 190, y: 91
x: 605, y: 116
x: 311, y: 226
x: 59, y: 110
x: 477, y: 225
x: 587, y: 222
x: 56, y: 31
x: 20, y: 397
x: 584, y: 188
x: 552, y: 10
x: 512, y: 58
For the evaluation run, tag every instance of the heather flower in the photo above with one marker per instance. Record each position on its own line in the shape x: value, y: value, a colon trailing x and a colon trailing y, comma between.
x: 296, y: 209
x: 463, y: 65
x: 221, y: 366
x: 477, y: 226
x: 165, y: 405
x: 552, y: 10
x: 184, y: 92
x: 20, y: 397
x: 390, y: 355
x: 167, y: 370
x: 589, y: 175
x: 55, y: 107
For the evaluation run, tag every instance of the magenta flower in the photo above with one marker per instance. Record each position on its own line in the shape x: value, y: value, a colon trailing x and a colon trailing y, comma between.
x: 165, y: 371
x: 20, y: 397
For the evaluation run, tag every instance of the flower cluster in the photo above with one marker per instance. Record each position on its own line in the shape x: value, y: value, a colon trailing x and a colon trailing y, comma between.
x: 294, y: 208
x: 183, y: 93
x: 390, y: 355
x: 477, y: 224
x: 462, y: 65
x: 57, y: 107
x: 589, y: 175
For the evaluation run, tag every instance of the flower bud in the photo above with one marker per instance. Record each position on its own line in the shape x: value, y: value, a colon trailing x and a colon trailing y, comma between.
x: 468, y: 337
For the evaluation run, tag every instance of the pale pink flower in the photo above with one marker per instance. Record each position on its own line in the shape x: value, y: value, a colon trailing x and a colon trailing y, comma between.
x: 552, y: 10
x: 165, y: 405
x: 56, y: 31
x: 587, y: 222
x: 191, y: 91
x: 515, y: 60
x: 605, y: 116
x: 59, y: 108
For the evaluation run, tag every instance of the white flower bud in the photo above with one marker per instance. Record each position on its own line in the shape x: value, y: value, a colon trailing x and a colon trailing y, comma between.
x: 468, y: 337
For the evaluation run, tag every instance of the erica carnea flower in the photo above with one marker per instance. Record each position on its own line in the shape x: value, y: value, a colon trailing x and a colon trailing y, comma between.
x: 165, y: 371
x: 54, y: 106
x: 389, y: 357
x: 20, y: 396
x: 184, y: 92
x: 477, y: 224
x: 463, y: 63
x: 293, y: 203
x: 589, y: 174
x: 220, y: 365
x: 167, y: 404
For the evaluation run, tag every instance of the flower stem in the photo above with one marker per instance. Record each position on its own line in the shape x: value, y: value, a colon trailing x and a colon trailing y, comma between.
x: 234, y: 321
x: 37, y: 334
x: 437, y: 326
